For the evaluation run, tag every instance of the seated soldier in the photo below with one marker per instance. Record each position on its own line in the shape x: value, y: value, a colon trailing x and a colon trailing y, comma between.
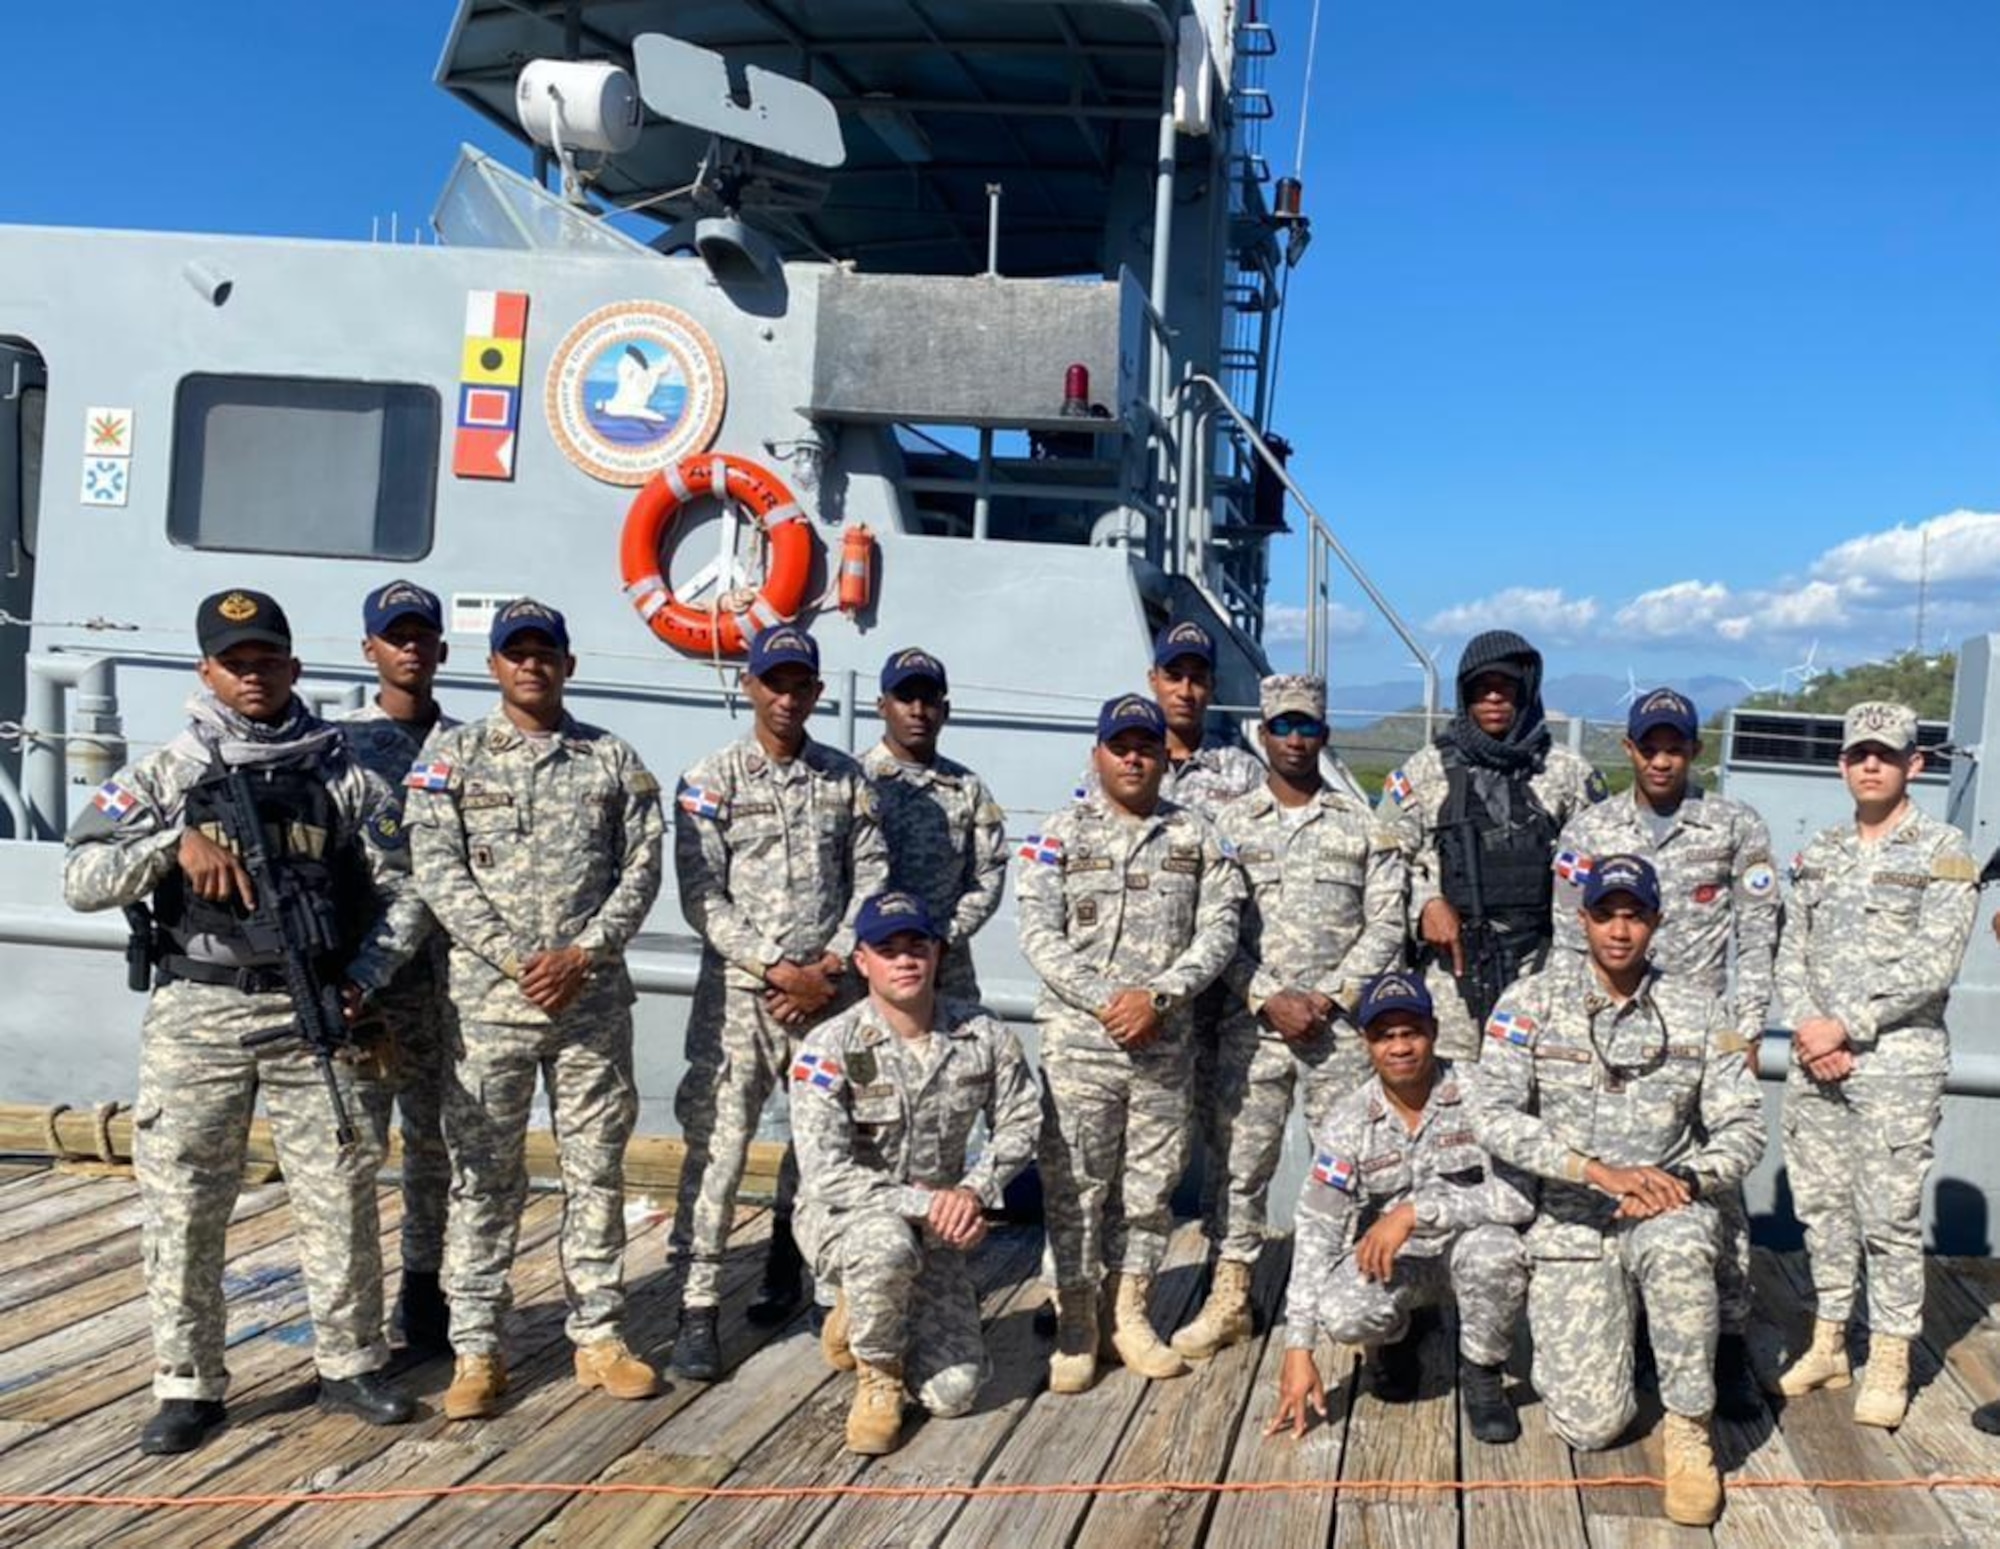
x: 884, y: 1097
x: 1401, y: 1210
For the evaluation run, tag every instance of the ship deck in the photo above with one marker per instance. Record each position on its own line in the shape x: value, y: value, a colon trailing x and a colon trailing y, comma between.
x: 75, y: 1362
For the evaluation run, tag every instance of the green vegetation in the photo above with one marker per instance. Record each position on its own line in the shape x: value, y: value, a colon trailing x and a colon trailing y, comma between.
x: 1921, y: 682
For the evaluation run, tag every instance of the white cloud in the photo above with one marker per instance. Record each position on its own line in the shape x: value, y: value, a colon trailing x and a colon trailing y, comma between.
x: 1683, y: 610
x: 1963, y: 546
x: 1285, y: 623
x: 1529, y: 610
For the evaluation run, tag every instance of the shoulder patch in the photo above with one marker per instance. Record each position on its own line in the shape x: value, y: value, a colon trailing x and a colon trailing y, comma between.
x: 701, y: 802
x: 1951, y: 867
x: 643, y: 783
x: 385, y: 831
x: 115, y: 801
x: 1759, y: 879
x: 1334, y: 1172
x: 432, y: 776
x: 1398, y: 788
x: 821, y: 1072
x: 1515, y: 1027
x: 1574, y: 866
x: 1042, y: 851
x: 1594, y: 788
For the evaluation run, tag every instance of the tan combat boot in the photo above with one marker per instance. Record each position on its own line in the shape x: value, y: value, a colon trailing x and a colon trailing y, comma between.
x: 875, y: 1422
x: 1132, y: 1332
x: 477, y: 1381
x: 609, y: 1365
x: 1885, y: 1384
x: 833, y: 1336
x: 1224, y: 1318
x: 1073, y: 1366
x: 1824, y: 1365
x: 1694, y: 1488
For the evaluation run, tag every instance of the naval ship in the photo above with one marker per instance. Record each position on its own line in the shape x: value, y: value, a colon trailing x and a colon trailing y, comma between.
x: 945, y: 323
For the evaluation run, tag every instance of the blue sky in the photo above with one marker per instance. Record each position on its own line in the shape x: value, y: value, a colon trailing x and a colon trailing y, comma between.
x: 1656, y: 331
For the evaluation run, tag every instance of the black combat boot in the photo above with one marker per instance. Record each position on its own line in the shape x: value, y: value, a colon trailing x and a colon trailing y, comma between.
x: 370, y: 1398
x: 697, y: 1352
x: 1987, y: 1418
x: 426, y: 1316
x: 1487, y: 1411
x: 180, y: 1425
x: 1396, y: 1371
x: 784, y: 1276
x: 1736, y: 1393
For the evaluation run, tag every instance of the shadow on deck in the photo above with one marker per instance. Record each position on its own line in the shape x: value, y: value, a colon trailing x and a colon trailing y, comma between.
x: 75, y: 1362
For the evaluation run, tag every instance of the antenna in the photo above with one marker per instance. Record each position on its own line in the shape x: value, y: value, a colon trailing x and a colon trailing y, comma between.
x: 1923, y: 582
x: 690, y: 85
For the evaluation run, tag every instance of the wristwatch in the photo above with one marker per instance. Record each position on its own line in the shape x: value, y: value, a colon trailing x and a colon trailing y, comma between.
x: 1162, y: 1002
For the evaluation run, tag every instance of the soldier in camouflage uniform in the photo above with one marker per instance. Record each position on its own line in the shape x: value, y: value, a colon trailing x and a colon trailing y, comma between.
x: 403, y: 640
x: 884, y: 1098
x: 1718, y: 888
x: 1403, y: 1210
x: 1325, y: 913
x: 1476, y: 815
x: 776, y: 843
x: 1128, y: 909
x: 946, y: 834
x: 537, y: 843
x: 154, y: 832
x: 1626, y: 1092
x: 1879, y: 917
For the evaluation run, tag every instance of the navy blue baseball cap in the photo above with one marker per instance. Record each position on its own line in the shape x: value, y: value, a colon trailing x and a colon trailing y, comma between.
x: 1393, y: 992
x: 1662, y: 707
x: 1130, y: 712
x: 400, y: 600
x: 782, y: 645
x: 524, y: 614
x: 1629, y: 874
x: 1186, y: 638
x: 907, y: 666
x: 892, y: 914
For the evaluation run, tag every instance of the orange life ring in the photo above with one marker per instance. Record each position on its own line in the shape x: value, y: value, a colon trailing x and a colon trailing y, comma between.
x: 726, y: 629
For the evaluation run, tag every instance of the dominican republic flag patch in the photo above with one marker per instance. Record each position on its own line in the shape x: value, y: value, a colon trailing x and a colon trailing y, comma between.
x: 1515, y: 1027
x: 699, y: 801
x: 817, y: 1070
x: 114, y: 801
x: 1399, y: 788
x: 1043, y: 852
x: 429, y: 777
x: 1336, y: 1172
x: 1572, y: 867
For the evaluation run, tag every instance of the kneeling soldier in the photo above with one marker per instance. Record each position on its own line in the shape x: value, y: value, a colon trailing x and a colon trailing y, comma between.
x: 1628, y: 1094
x: 1401, y: 1211
x: 884, y: 1098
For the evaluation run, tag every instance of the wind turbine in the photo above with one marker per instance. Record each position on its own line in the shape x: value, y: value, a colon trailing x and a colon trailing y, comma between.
x: 1806, y: 671
x: 1632, y: 690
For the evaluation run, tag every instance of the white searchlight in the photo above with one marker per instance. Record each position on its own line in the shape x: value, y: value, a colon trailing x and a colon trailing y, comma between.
x: 578, y: 108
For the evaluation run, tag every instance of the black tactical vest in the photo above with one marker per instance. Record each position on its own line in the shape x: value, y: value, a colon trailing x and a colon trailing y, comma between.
x: 1492, y: 866
x: 302, y: 833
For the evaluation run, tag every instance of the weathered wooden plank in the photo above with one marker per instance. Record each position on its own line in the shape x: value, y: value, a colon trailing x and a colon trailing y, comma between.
x: 1073, y: 1437
x: 1184, y: 1430
x: 1756, y: 1449
x: 1632, y: 1517
x: 1289, y: 1521
x: 1413, y: 1442
x: 430, y: 1461
x: 13, y: 1170
x: 46, y: 1199
x: 1821, y: 1432
x: 1547, y: 1519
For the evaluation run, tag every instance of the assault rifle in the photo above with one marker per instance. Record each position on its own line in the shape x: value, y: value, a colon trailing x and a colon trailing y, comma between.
x: 1487, y: 969
x: 301, y: 930
x: 142, y: 948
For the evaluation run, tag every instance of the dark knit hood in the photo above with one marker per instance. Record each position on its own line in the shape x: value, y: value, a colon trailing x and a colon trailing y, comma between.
x: 1527, y: 740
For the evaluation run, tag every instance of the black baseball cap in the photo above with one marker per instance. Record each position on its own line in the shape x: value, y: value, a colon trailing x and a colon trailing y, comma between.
x: 240, y: 617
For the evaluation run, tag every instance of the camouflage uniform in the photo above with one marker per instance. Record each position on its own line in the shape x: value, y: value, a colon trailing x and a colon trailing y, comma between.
x: 1109, y: 902
x: 1571, y: 1076
x: 1413, y: 799
x: 1467, y: 1244
x: 523, y: 845
x: 415, y: 1010
x: 1873, y: 938
x: 772, y: 861
x: 198, y: 1085
x: 1717, y: 886
x: 1324, y: 913
x: 880, y: 1124
x: 947, y: 840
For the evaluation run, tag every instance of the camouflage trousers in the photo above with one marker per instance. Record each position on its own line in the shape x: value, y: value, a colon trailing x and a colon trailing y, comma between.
x: 1485, y: 1270
x: 197, y: 1088
x: 417, y: 1019
x: 1582, y: 1311
x: 1248, y: 1101
x: 584, y: 1058
x: 1733, y: 1291
x: 909, y: 1299
x: 1858, y: 1153
x: 738, y: 1054
x: 1114, y: 1143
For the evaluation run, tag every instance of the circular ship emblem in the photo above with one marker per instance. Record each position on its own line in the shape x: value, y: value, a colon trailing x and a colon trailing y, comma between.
x: 634, y: 387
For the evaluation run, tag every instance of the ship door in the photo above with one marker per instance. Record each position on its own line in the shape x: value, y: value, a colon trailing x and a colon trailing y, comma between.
x: 23, y: 406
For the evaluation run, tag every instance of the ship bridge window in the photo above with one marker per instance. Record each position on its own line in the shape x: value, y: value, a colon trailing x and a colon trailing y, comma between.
x: 295, y: 465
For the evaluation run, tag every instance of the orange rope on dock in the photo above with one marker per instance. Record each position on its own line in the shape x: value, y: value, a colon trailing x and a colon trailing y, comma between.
x: 971, y: 1491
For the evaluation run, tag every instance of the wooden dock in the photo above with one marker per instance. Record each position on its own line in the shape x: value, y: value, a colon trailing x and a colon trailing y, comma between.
x: 75, y: 1362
